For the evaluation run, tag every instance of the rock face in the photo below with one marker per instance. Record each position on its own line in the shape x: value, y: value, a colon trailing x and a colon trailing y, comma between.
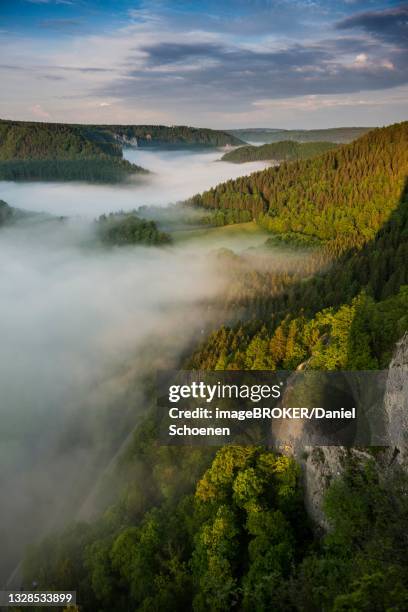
x: 396, y: 403
x: 321, y: 464
x: 124, y: 140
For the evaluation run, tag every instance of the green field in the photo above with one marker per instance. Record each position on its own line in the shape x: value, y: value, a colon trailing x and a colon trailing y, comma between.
x: 238, y: 237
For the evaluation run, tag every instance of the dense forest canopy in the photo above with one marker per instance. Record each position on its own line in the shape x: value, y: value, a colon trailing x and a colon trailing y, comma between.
x: 239, y: 538
x: 31, y: 140
x: 342, y: 197
x: 286, y: 323
x: 285, y: 150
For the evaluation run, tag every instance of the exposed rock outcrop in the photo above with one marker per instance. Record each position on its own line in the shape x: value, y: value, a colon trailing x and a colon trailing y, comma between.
x: 321, y: 464
x: 396, y: 403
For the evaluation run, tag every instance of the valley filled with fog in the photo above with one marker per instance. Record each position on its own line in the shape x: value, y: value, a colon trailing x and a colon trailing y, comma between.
x: 84, y: 326
x: 175, y: 175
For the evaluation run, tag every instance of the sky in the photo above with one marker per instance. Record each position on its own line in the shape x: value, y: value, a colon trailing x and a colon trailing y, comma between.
x: 220, y: 63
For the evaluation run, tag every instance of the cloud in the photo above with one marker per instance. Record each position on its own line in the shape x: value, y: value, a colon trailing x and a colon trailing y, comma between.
x: 361, y: 59
x: 82, y: 68
x: 170, y: 52
x: 205, y: 72
x: 176, y: 64
x: 38, y: 111
x: 51, y: 77
x: 390, y: 25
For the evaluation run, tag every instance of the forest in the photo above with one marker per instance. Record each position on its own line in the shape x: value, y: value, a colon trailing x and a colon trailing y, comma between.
x: 94, y: 170
x: 68, y: 152
x: 206, y: 529
x: 285, y: 150
x: 31, y: 140
x: 342, y: 197
x: 59, y: 152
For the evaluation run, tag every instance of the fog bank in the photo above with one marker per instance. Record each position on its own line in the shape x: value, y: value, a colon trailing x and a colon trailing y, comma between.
x: 81, y: 327
x: 176, y: 175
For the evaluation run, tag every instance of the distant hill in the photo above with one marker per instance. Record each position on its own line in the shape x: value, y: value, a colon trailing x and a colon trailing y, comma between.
x: 286, y: 150
x: 341, y: 197
x: 57, y: 152
x: 64, y: 152
x: 267, y: 135
x: 156, y: 135
x: 31, y: 140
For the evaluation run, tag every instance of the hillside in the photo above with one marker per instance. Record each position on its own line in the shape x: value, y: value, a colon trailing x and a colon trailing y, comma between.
x: 156, y: 135
x: 342, y: 197
x: 57, y: 152
x: 31, y: 140
x: 266, y: 135
x: 285, y: 150
x: 63, y: 152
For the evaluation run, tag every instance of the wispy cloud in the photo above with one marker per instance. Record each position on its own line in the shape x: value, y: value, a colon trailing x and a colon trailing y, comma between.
x: 39, y: 112
x: 390, y: 25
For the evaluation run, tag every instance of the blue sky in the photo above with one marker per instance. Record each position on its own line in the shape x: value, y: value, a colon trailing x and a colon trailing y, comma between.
x: 225, y: 63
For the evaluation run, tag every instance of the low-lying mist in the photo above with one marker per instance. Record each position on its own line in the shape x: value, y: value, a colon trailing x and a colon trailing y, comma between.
x: 81, y: 327
x: 176, y: 175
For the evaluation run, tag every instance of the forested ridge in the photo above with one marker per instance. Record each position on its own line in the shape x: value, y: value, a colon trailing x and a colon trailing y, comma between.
x: 342, y: 197
x: 284, y: 327
x: 73, y: 152
x: 58, y: 152
x: 151, y: 135
x: 285, y: 150
x: 338, y: 135
x: 34, y: 140
x: 30, y: 140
